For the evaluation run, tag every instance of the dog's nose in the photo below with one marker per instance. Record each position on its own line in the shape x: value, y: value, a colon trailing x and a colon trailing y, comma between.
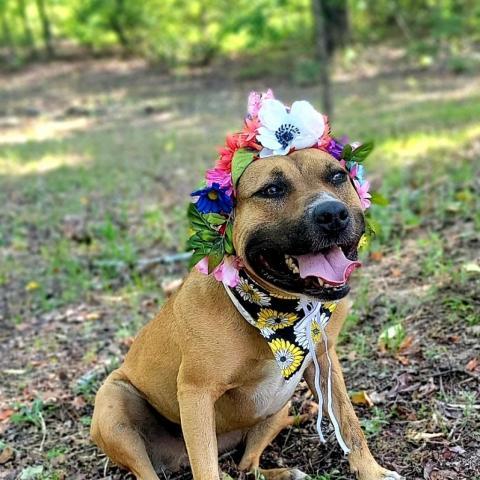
x: 331, y: 216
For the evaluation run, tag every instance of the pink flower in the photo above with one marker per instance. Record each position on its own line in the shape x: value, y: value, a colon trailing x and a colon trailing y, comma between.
x: 254, y: 104
x: 202, y: 266
x: 226, y: 272
x: 362, y: 191
x: 222, y: 177
x: 250, y: 128
x: 354, y: 171
x: 255, y: 100
x: 325, y: 139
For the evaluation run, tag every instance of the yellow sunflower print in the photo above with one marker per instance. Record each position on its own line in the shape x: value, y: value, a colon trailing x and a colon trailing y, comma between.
x: 316, y: 332
x: 269, y: 318
x: 330, y: 306
x: 288, y: 356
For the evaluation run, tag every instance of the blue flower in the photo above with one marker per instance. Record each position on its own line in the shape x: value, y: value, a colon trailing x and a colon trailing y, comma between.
x: 213, y: 199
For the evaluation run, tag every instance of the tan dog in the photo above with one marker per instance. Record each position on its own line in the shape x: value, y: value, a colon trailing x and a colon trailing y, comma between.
x: 199, y: 379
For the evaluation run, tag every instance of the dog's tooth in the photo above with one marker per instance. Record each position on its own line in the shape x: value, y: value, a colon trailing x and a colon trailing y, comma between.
x: 320, y: 281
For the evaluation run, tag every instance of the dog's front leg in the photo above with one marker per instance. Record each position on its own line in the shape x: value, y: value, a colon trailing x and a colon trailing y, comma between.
x: 197, y: 415
x: 360, y: 459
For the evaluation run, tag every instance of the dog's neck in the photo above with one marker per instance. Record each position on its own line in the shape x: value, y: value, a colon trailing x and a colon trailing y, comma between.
x: 292, y: 326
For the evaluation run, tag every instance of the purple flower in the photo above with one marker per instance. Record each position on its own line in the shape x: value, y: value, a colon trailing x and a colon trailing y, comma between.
x: 213, y: 199
x: 335, y: 149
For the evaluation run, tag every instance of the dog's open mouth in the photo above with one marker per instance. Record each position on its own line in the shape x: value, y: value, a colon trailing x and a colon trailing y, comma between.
x: 323, y: 274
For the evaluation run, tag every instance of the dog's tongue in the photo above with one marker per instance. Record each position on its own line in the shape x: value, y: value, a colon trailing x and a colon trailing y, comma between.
x: 332, y: 266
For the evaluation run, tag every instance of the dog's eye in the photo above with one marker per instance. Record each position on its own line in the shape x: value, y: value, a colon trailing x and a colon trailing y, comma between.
x: 273, y: 191
x: 338, y: 177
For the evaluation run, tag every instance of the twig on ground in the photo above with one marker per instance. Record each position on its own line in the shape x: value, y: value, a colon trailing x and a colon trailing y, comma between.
x: 44, y: 431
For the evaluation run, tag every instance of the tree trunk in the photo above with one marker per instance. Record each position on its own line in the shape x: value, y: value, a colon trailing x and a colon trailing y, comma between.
x: 46, y: 28
x: 116, y: 23
x: 7, y: 35
x: 321, y: 55
x: 337, y: 28
x: 27, y: 31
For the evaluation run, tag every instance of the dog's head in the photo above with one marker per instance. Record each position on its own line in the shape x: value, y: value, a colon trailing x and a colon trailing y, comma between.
x: 298, y: 221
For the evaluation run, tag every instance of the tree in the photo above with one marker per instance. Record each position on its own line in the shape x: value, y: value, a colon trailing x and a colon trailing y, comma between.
x: 46, y: 28
x: 321, y: 54
x: 7, y: 36
x: 337, y: 29
x: 27, y: 31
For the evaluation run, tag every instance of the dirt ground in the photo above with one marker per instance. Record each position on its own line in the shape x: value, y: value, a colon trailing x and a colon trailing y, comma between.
x: 69, y: 307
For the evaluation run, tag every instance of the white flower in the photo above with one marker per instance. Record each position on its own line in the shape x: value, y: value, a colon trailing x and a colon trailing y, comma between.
x: 251, y: 294
x: 282, y: 129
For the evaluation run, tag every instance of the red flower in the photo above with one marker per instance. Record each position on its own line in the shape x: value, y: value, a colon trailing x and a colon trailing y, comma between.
x: 226, y: 153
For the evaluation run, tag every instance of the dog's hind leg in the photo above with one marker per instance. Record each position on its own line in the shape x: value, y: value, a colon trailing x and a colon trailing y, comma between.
x: 130, y: 432
x: 260, y: 436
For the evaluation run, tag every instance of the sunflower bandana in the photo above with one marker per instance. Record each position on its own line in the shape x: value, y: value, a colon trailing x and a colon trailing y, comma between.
x: 292, y: 326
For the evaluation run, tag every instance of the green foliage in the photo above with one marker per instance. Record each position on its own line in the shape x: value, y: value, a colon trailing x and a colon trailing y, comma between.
x: 241, y: 160
x: 208, y: 239
x: 195, y: 32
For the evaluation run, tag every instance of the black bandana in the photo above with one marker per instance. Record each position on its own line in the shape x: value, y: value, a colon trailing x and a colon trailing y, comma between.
x: 292, y: 327
x: 282, y: 320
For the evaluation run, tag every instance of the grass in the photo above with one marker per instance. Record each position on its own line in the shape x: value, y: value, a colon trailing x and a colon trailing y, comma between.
x: 85, y: 199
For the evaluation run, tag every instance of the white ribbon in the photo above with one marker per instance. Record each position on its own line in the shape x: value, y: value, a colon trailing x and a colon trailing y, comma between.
x: 310, y: 316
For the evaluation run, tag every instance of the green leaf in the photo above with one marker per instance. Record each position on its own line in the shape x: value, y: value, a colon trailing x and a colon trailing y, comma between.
x: 379, y: 199
x: 196, y: 243
x: 372, y: 226
x: 347, y: 152
x: 208, y: 235
x: 362, y: 152
x: 215, y: 257
x: 241, y: 160
x: 228, y: 239
x: 215, y: 218
x: 197, y: 220
x: 195, y: 258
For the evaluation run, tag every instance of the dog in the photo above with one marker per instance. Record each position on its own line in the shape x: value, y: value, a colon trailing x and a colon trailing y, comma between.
x: 199, y: 379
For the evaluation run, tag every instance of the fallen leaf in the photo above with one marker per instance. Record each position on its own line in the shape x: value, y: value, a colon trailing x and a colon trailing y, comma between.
x: 403, y: 360
x: 78, y: 402
x: 31, y: 473
x: 376, y: 256
x: 471, y: 267
x: 361, y: 398
x: 473, y: 364
x: 396, y: 272
x: 6, y: 454
x: 377, y: 398
x: 419, y: 436
x: 32, y: 286
x: 171, y: 286
x: 6, y: 414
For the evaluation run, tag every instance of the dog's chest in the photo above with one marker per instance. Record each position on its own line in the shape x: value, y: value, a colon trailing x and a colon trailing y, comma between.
x: 272, y: 392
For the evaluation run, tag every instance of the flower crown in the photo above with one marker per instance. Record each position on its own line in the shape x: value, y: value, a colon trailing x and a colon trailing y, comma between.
x: 270, y: 128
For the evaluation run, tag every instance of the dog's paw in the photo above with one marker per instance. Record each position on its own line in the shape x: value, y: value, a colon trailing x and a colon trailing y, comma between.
x: 296, y: 474
x: 378, y: 473
x: 280, y: 474
x: 389, y: 475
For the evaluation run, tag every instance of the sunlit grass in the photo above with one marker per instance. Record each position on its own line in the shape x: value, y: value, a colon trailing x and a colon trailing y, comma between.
x: 407, y: 149
x: 12, y: 167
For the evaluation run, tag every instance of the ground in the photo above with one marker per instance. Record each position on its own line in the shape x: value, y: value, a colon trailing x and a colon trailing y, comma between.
x: 96, y: 162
